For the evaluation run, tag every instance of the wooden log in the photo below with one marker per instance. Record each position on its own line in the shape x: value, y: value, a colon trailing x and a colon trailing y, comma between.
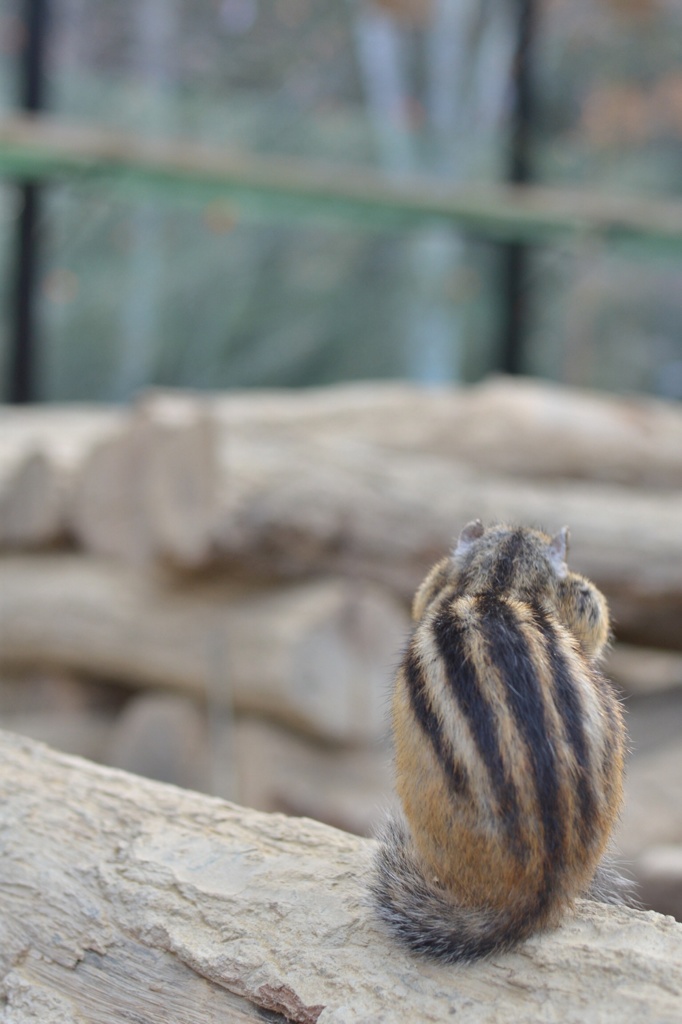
x: 126, y: 898
x: 292, y: 507
x: 184, y: 483
x: 40, y: 448
x: 151, y: 485
x: 33, y: 502
x: 153, y: 488
x: 506, y: 426
x: 659, y: 876
x: 316, y: 655
x: 298, y: 508
x: 642, y: 671
x: 652, y: 815
x: 156, y: 477
x: 277, y: 770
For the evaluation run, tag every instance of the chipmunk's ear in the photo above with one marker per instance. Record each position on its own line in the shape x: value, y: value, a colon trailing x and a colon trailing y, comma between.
x: 558, y: 551
x: 471, y: 532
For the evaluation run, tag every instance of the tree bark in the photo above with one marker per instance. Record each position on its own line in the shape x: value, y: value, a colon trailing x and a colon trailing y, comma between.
x: 126, y: 898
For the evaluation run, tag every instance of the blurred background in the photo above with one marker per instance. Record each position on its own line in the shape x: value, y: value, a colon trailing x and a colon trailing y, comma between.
x: 293, y: 289
x: 133, y: 286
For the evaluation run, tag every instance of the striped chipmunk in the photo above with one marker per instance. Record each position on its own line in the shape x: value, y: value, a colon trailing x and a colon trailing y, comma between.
x: 509, y: 747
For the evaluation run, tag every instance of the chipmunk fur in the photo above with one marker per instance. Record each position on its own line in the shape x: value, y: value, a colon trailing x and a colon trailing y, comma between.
x: 509, y: 749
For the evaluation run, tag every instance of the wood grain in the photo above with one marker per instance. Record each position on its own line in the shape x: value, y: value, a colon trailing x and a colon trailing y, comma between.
x: 127, y: 899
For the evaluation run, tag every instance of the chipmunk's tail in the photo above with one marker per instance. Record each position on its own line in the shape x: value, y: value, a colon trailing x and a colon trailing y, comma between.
x: 424, y: 917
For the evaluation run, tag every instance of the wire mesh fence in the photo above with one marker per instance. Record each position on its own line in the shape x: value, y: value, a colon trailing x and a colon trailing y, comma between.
x: 128, y: 292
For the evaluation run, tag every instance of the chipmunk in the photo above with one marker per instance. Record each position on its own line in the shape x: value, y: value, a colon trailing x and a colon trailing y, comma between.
x: 509, y: 749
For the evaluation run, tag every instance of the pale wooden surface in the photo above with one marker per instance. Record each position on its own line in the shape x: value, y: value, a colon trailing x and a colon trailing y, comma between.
x: 642, y: 671
x: 365, y: 480
x: 297, y: 507
x: 40, y: 449
x: 165, y: 458
x: 376, y: 483
x: 173, y: 479
x: 151, y: 486
x: 126, y: 899
x: 316, y: 655
x: 509, y: 426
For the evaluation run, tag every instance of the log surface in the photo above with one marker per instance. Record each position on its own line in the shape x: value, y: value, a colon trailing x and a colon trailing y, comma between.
x: 365, y: 480
x: 507, y: 426
x: 40, y: 450
x: 127, y: 899
x: 316, y: 655
x: 299, y: 507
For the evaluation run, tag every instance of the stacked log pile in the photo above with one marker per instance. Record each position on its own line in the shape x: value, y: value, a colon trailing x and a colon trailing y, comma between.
x: 253, y: 555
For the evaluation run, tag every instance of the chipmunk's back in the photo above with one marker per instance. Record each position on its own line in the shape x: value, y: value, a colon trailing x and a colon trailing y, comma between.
x: 508, y: 743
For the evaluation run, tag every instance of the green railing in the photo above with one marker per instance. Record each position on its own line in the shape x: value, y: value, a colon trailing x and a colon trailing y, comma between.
x: 43, y: 149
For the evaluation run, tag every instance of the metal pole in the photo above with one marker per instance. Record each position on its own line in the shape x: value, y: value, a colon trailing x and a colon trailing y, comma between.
x: 515, y: 254
x: 23, y: 337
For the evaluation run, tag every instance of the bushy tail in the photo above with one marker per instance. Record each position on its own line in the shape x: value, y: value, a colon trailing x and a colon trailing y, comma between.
x: 423, y: 916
